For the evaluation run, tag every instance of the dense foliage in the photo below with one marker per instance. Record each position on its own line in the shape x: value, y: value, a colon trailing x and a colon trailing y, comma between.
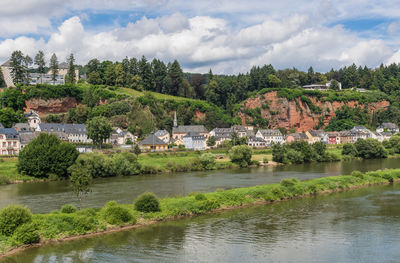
x: 302, y: 152
x: 370, y: 149
x: 348, y: 117
x: 241, y: 155
x: 12, y: 217
x: 47, y: 155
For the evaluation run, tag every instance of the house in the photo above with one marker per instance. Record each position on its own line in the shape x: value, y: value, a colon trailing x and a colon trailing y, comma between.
x: 332, y: 138
x: 270, y: 136
x: 388, y: 127
x: 315, y: 136
x: 153, y: 143
x: 5, y: 70
x: 26, y: 137
x: 33, y: 119
x: 243, y: 131
x: 346, y: 137
x: 194, y: 141
x: 23, y: 128
x: 257, y: 142
x: 360, y: 132
x: 9, y: 141
x: 296, y: 137
x: 76, y: 133
x: 323, y: 87
x: 163, y: 135
x: 221, y: 135
x: 183, y: 130
x: 120, y: 137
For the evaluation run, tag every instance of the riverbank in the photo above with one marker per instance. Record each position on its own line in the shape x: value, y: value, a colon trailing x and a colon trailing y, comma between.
x: 57, y: 226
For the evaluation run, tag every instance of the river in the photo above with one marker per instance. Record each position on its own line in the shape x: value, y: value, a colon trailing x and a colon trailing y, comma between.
x: 47, y: 196
x: 354, y: 226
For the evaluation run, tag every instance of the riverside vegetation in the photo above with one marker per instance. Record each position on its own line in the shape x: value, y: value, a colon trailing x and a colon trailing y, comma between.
x: 19, y: 227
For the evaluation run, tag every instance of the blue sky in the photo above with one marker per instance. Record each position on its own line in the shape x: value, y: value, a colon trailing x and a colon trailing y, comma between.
x: 227, y: 36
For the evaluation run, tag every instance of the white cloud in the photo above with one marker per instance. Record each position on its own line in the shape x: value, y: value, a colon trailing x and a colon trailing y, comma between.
x: 203, y: 42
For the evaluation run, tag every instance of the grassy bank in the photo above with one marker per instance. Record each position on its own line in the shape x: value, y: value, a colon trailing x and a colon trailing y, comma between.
x: 9, y: 173
x: 69, y: 222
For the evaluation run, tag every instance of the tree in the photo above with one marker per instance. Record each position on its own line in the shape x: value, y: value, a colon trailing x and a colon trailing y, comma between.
x: 241, y: 155
x: 119, y: 75
x: 71, y: 75
x: 145, y: 74
x: 207, y: 161
x: 109, y: 75
x: 99, y: 129
x: 211, y: 141
x: 46, y: 155
x: 370, y: 149
x: 54, y: 67
x: 14, y: 98
x: 80, y: 181
x: 94, y: 78
x: 40, y: 63
x: 19, y: 67
x: 349, y: 149
x: 136, y: 149
x: 334, y: 85
x: 9, y: 116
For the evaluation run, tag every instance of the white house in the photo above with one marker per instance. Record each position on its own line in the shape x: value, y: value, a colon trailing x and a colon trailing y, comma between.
x: 9, y: 141
x: 270, y: 136
x: 389, y: 127
x: 76, y: 133
x: 257, y: 142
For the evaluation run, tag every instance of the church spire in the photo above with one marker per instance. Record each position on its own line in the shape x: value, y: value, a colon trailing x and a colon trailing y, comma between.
x: 175, y: 120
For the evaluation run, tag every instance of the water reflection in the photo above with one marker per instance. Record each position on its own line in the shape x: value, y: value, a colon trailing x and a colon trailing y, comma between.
x: 356, y: 226
x: 47, y: 196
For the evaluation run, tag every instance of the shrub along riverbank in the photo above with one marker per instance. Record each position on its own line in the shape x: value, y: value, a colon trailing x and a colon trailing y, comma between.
x: 18, y: 226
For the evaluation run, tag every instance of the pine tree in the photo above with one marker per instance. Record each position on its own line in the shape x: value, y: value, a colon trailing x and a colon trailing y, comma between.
x: 54, y: 67
x: 19, y: 64
x: 71, y: 75
x: 40, y: 63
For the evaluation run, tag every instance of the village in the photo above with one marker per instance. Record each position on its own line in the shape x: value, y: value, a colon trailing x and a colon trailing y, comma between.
x: 190, y: 137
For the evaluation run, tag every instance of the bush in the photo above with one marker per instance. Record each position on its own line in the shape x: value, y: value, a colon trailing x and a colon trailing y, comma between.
x: 147, y: 202
x: 84, y: 223
x: 207, y: 161
x: 358, y: 174
x: 68, y: 209
x: 370, y: 149
x: 46, y: 155
x: 289, y: 182
x: 13, y: 216
x: 294, y: 156
x: 200, y: 197
x: 241, y: 155
x: 349, y: 149
x: 27, y: 234
x: 125, y: 164
x: 116, y: 215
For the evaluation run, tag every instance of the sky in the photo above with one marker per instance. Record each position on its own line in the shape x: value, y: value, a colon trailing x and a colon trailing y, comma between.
x: 228, y: 36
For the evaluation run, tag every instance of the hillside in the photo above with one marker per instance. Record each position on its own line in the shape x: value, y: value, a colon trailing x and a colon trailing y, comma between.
x: 304, y: 110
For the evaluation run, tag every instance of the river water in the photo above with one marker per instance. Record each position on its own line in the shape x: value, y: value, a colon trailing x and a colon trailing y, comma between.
x: 354, y: 226
x: 48, y: 196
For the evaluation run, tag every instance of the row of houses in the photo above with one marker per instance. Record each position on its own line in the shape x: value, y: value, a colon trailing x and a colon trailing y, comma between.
x: 195, y: 137
x: 12, y: 140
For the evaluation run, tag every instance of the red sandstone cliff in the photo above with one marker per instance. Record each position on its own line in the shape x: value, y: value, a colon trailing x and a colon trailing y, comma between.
x: 43, y: 107
x: 288, y: 114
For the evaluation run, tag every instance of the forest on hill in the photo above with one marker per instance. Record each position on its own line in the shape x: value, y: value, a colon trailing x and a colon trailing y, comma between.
x: 210, y: 99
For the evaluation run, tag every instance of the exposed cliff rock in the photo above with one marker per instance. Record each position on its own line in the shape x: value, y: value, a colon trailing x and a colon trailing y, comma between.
x: 281, y: 112
x: 43, y: 107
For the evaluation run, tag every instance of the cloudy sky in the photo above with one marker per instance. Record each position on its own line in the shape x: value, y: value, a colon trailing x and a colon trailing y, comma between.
x: 228, y: 36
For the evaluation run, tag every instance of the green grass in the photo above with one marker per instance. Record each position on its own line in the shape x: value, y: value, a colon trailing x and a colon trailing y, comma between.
x: 8, y: 171
x: 135, y: 93
x: 57, y: 225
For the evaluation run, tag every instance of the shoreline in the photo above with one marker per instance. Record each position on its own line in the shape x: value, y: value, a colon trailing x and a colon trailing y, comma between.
x: 151, y: 221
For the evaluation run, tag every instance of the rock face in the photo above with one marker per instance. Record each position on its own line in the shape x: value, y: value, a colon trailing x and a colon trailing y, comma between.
x: 43, y: 107
x: 282, y: 112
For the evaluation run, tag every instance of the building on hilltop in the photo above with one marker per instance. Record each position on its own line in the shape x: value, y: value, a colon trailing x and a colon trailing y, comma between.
x: 322, y: 87
x: 37, y: 78
x: 9, y: 141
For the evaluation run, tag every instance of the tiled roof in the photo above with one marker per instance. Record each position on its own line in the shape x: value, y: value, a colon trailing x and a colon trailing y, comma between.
x: 152, y: 140
x: 63, y: 127
x: 270, y: 132
x: 189, y: 128
x: 10, y: 133
x: 160, y: 133
x: 195, y: 136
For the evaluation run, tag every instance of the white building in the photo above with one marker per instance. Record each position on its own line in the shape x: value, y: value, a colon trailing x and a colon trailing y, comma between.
x: 9, y: 141
x: 270, y: 136
x: 76, y: 133
x: 389, y: 127
x: 194, y: 141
